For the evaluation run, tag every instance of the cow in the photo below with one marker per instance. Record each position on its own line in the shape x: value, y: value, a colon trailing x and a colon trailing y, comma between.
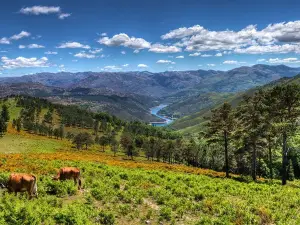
x: 69, y: 173
x: 21, y: 182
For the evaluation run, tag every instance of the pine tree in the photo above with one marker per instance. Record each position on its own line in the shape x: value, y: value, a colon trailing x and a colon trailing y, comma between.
x: 251, y: 125
x: 285, y: 106
x: 3, y: 127
x: 220, y: 127
x: 5, y: 113
x: 291, y: 175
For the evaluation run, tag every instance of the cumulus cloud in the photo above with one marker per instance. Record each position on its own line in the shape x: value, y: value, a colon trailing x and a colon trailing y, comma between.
x: 50, y: 53
x: 73, y: 45
x: 142, y: 66
x: 95, y: 51
x: 111, y: 68
x: 259, y: 49
x: 281, y: 37
x: 206, y: 55
x: 4, y: 41
x: 261, y: 60
x: 283, y: 61
x: 35, y: 46
x: 22, y: 46
x: 218, y: 54
x: 180, y: 57
x: 232, y: 62
x: 123, y: 52
x: 21, y: 35
x: 136, y: 51
x: 211, y: 65
x: 125, y: 65
x: 104, y: 34
x: 159, y: 48
x: 85, y: 55
x: 22, y: 62
x: 183, y: 32
x: 195, y: 54
x: 162, y: 61
x: 126, y: 41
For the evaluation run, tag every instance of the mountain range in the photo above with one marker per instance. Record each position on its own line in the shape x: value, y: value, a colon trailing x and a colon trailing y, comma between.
x: 129, y: 95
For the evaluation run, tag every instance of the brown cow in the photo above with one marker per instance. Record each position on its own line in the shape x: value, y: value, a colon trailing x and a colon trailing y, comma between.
x: 69, y: 173
x: 21, y: 182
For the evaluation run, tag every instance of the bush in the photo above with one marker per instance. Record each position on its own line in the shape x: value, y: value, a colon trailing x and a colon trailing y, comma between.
x: 165, y: 214
x: 106, y: 218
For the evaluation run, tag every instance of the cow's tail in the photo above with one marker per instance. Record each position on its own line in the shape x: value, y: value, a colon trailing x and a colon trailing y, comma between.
x: 35, y: 191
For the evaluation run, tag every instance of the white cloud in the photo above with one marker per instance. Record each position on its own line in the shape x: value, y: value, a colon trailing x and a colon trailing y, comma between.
x: 4, y: 41
x: 22, y: 62
x: 35, y: 46
x: 183, y: 32
x: 64, y: 15
x: 111, y: 68
x: 50, y: 53
x: 73, y: 45
x: 195, y: 54
x: 162, y: 61
x: 31, y: 46
x: 232, y: 62
x: 104, y: 34
x: 261, y: 60
x: 218, y: 54
x: 210, y: 65
x: 283, y: 61
x: 37, y: 10
x: 95, y: 51
x: 126, y: 41
x: 281, y: 37
x: 258, y: 49
x: 84, y: 55
x: 21, y: 35
x: 159, y: 48
x: 136, y: 51
x: 123, y: 52
x: 125, y: 65
x: 142, y: 66
x: 180, y: 57
x: 199, y: 65
x: 206, y: 55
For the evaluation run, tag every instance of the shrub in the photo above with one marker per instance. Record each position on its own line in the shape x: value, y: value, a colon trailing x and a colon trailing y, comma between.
x: 106, y: 218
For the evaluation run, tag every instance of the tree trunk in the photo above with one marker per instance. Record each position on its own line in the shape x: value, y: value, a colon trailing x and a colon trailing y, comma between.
x: 226, y: 154
x: 284, y: 158
x: 270, y: 158
x: 254, y: 166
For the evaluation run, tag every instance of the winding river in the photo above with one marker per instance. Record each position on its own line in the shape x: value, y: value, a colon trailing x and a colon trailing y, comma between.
x: 154, y: 111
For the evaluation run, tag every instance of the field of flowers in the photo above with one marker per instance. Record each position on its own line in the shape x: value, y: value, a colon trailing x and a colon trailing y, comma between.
x: 119, y: 191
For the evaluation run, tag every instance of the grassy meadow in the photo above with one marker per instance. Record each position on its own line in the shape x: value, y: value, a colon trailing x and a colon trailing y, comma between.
x: 117, y: 190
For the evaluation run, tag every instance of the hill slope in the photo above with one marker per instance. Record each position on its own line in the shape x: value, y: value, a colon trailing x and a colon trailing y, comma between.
x: 194, y: 123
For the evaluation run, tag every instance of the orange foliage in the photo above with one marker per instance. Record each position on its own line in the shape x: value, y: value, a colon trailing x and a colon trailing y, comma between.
x: 17, y: 162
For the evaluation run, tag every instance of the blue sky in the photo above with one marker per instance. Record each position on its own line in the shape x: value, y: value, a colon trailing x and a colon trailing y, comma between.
x: 52, y: 35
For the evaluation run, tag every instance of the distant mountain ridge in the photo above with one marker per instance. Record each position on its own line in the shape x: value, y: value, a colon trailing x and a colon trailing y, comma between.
x: 130, y: 94
x: 164, y: 83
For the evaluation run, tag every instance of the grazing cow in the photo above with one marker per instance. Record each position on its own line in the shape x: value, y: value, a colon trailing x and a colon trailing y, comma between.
x: 21, y: 182
x: 69, y: 173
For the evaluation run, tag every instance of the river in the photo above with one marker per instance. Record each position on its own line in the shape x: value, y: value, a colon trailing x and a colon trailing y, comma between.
x: 155, y: 110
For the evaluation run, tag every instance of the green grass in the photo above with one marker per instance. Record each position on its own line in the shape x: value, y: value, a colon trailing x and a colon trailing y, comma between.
x: 13, y: 143
x: 14, y: 111
x: 116, y: 195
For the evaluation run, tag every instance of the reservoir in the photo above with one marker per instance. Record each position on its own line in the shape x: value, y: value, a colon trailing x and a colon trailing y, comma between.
x: 154, y: 111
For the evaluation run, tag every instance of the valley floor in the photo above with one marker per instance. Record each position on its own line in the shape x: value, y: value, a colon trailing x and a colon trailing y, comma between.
x: 120, y: 191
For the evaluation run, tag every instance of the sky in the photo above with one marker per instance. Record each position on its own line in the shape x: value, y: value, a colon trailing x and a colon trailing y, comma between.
x: 157, y: 35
